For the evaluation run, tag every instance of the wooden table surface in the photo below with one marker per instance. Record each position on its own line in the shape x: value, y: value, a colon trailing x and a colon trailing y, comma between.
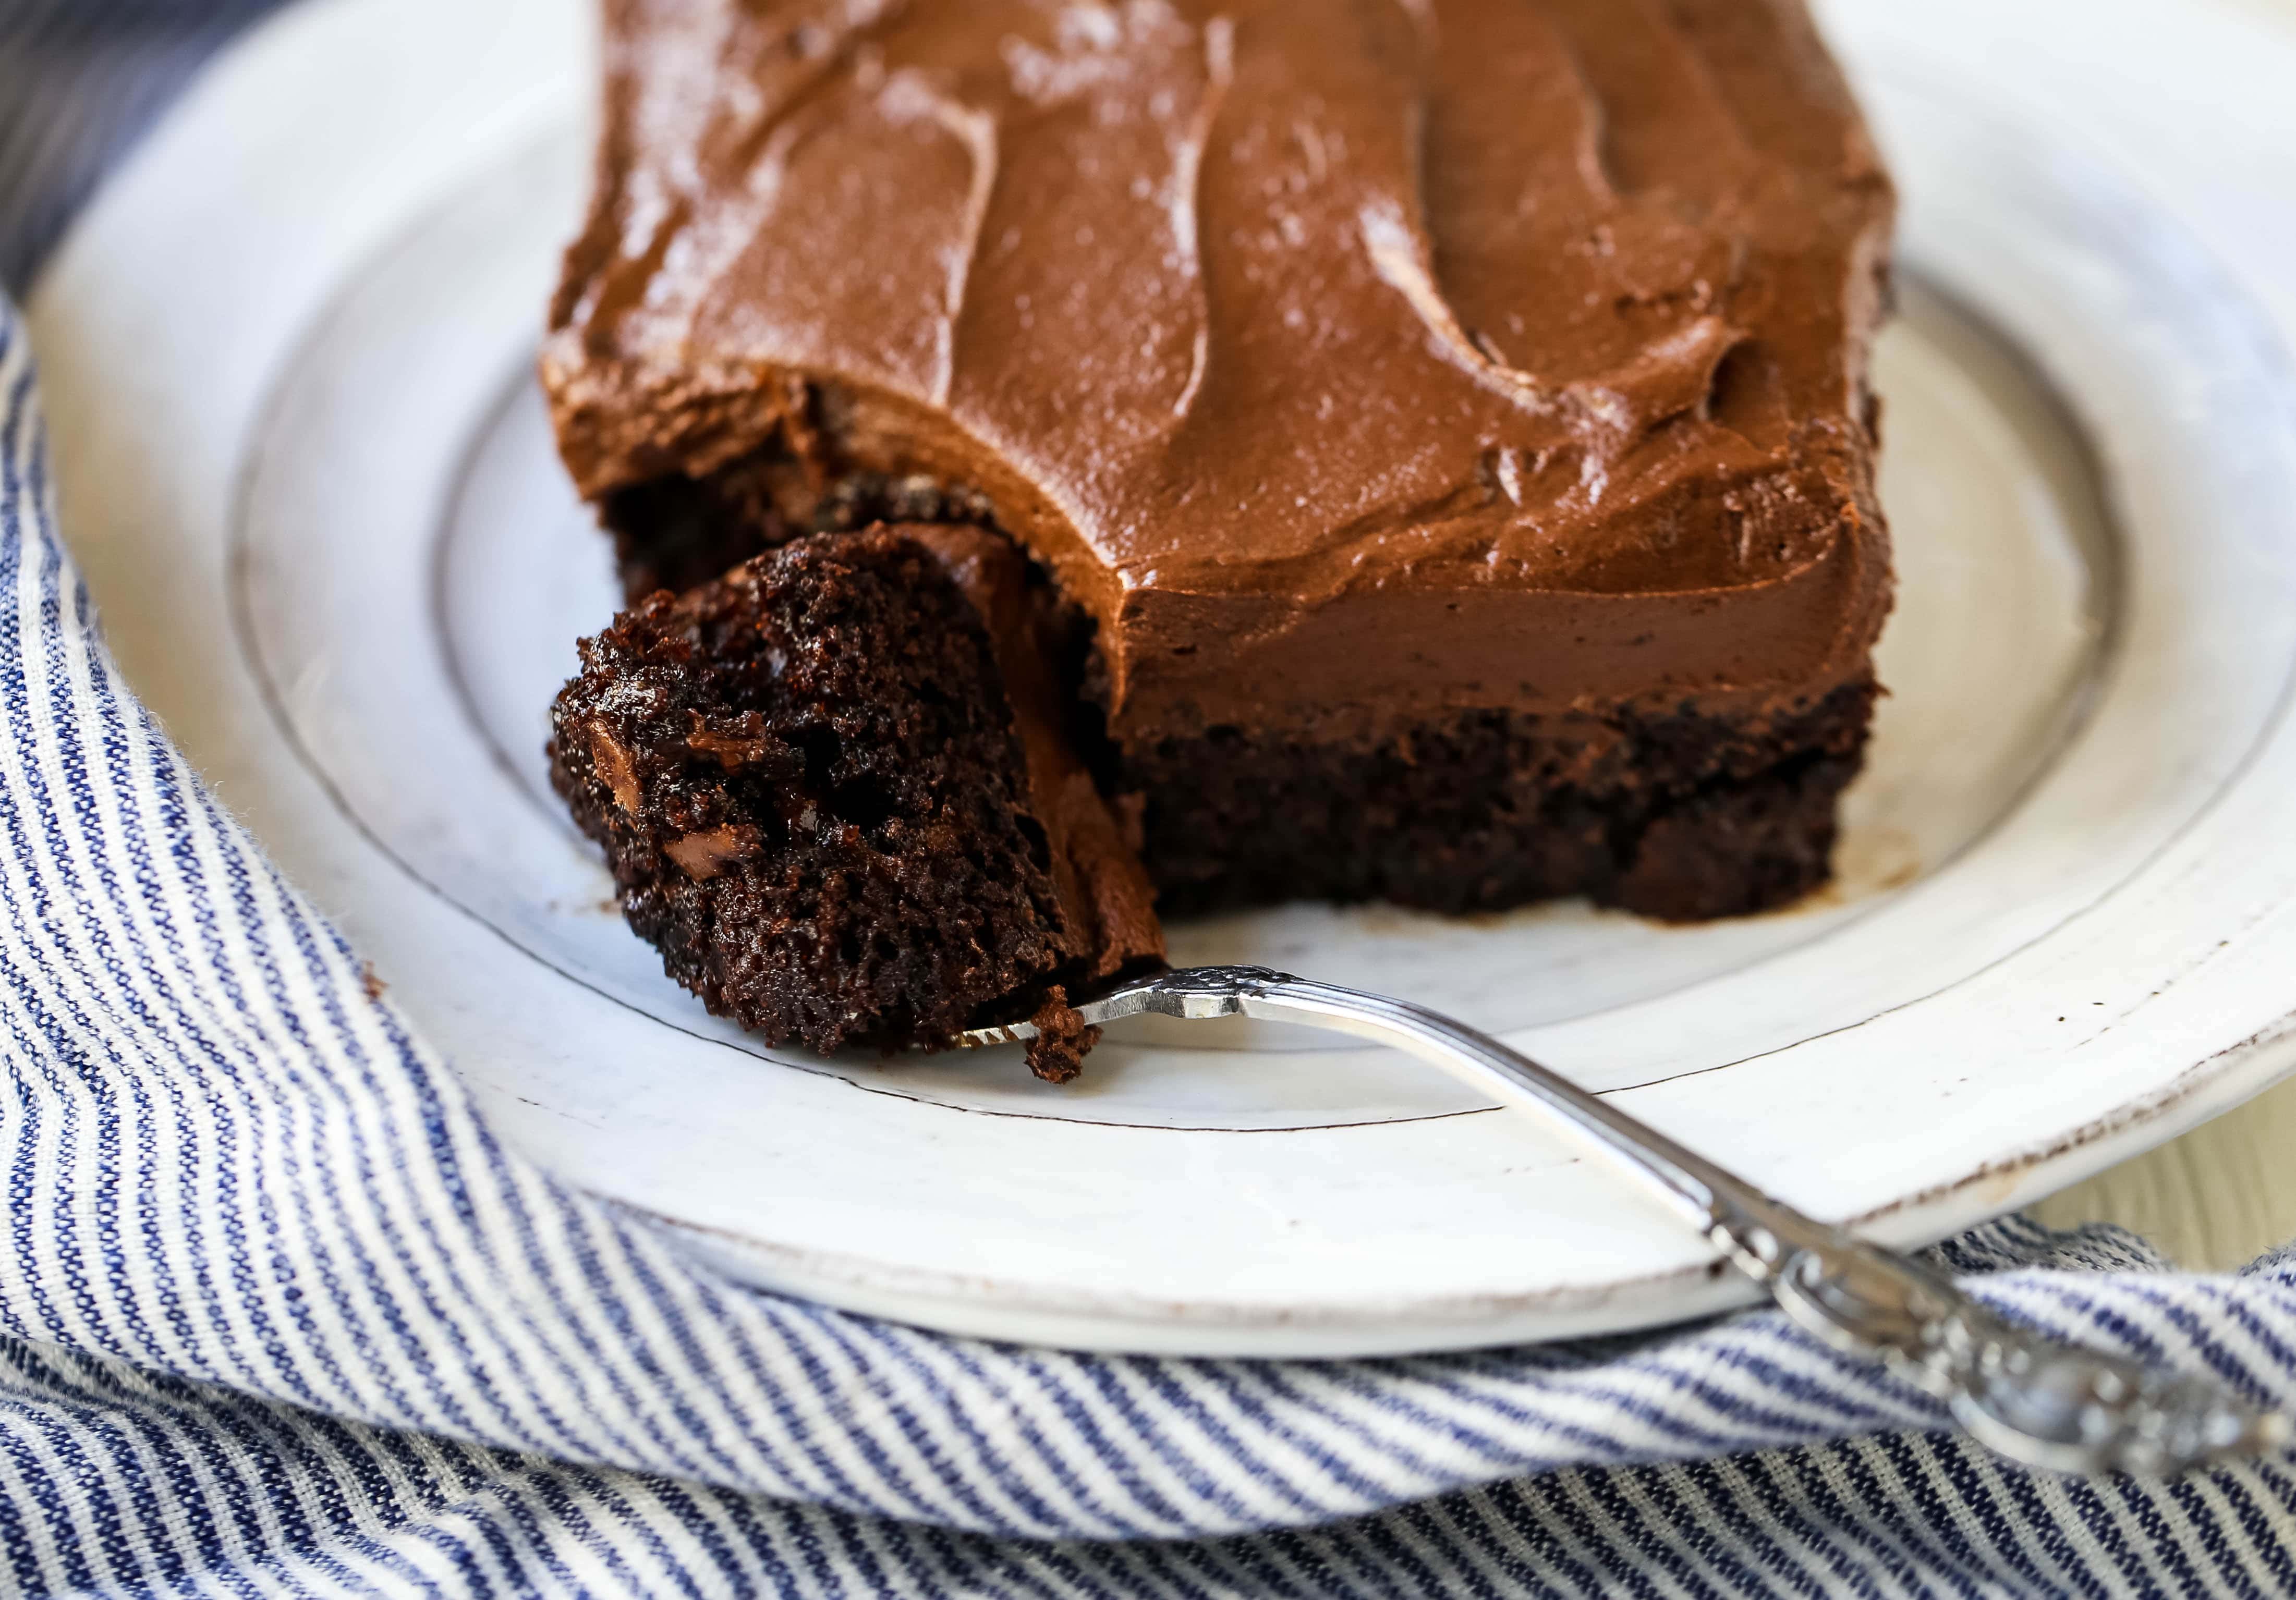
x: 2215, y: 1199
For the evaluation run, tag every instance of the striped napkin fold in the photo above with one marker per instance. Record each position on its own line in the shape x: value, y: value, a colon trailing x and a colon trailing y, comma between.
x: 279, y: 1315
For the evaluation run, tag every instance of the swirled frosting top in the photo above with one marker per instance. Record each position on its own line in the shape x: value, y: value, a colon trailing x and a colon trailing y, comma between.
x: 1420, y: 353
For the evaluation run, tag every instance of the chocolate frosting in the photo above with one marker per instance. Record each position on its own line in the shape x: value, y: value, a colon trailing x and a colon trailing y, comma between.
x: 1348, y: 360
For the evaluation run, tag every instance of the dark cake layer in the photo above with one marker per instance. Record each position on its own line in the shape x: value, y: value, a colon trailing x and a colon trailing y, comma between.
x: 1673, y: 810
x: 821, y: 804
x: 1681, y: 816
x: 674, y: 532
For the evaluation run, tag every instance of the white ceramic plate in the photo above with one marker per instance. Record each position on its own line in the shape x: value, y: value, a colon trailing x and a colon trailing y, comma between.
x: 302, y: 461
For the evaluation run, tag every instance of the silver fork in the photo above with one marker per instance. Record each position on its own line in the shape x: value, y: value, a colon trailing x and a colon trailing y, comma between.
x: 2033, y: 1400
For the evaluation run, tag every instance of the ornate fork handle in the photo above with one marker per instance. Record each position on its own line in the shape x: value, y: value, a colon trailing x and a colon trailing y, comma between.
x: 2029, y: 1397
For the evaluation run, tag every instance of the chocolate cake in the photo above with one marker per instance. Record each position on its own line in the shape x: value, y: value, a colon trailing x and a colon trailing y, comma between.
x: 1448, y: 417
x: 836, y: 792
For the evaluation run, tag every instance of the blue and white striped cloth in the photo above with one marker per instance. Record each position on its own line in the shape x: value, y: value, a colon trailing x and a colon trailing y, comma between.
x: 278, y: 1316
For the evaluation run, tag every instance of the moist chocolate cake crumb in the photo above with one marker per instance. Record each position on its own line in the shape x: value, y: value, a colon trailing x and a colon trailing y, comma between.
x: 1678, y: 815
x: 676, y: 531
x: 672, y: 532
x: 808, y: 784
x: 1063, y: 1038
x: 861, y: 498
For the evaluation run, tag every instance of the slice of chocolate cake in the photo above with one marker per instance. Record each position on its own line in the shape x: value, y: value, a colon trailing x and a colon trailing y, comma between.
x: 836, y: 791
x: 1450, y: 414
